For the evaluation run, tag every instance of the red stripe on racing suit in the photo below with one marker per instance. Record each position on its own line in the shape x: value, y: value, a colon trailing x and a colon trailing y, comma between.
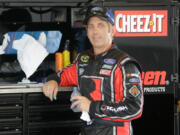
x: 96, y: 94
x: 68, y: 76
x: 125, y: 130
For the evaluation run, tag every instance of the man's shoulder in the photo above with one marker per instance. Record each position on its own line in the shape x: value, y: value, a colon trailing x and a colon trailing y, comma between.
x: 82, y: 56
x: 85, y: 52
x: 117, y: 53
x: 124, y: 58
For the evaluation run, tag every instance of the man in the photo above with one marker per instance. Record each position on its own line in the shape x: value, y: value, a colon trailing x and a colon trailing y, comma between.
x: 109, y: 79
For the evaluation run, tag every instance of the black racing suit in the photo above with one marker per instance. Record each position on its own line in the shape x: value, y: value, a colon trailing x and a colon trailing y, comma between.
x: 112, y: 81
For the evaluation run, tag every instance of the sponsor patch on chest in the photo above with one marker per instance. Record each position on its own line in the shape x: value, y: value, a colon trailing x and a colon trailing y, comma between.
x: 84, y: 58
x: 106, y: 72
x: 106, y: 66
x: 81, y: 71
x: 109, y: 61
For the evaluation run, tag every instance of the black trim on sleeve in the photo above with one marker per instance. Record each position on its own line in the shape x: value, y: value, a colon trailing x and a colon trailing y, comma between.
x: 54, y: 77
x: 94, y: 108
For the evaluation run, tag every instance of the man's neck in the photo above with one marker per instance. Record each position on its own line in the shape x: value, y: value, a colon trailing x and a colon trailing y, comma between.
x: 101, y: 50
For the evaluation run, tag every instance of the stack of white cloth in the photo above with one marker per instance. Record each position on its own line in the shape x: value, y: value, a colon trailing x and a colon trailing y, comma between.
x: 30, y: 53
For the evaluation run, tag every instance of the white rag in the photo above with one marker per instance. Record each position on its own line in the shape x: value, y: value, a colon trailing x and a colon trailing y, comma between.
x: 5, y: 43
x: 85, y: 116
x: 30, y: 53
x: 42, y: 39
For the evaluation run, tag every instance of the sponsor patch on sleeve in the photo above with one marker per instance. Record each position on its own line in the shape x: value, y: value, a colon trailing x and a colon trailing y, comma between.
x: 133, y: 80
x: 134, y: 91
x: 132, y: 75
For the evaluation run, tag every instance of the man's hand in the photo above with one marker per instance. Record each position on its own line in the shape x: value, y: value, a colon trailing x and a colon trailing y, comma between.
x: 50, y: 88
x: 83, y: 103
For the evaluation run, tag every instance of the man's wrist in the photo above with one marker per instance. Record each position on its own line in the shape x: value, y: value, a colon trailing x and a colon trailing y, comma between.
x: 94, y: 108
x: 53, y: 77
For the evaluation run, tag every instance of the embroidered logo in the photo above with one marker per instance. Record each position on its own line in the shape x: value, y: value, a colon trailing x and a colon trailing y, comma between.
x: 134, y: 91
x: 84, y: 58
x: 110, y: 108
x: 81, y: 71
x: 106, y: 72
x: 83, y: 65
x: 134, y: 80
x: 107, y: 66
x: 103, y: 108
x: 132, y: 75
x: 109, y: 61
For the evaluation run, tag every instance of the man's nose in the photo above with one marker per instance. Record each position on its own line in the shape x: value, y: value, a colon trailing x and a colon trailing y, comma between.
x: 95, y: 29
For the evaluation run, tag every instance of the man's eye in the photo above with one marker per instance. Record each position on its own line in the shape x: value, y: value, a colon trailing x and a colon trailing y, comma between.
x: 100, y: 25
x: 89, y: 26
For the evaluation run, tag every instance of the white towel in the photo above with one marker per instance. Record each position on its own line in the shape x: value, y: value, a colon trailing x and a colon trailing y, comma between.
x: 85, y: 116
x: 30, y: 54
x: 42, y: 39
x: 5, y: 43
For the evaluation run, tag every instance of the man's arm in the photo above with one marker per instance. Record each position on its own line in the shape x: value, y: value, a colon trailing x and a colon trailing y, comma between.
x: 66, y: 77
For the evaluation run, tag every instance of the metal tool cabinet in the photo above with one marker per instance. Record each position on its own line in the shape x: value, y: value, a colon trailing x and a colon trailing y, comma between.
x: 31, y: 113
x: 11, y: 114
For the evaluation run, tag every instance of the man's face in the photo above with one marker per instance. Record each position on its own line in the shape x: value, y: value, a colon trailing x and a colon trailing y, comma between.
x: 99, y: 32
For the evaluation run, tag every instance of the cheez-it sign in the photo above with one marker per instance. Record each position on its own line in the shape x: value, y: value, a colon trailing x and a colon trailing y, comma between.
x: 132, y: 23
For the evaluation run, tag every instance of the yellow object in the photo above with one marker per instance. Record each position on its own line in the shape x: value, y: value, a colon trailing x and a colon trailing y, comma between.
x: 66, y: 58
x: 59, y: 61
x: 74, y: 54
x: 179, y: 106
